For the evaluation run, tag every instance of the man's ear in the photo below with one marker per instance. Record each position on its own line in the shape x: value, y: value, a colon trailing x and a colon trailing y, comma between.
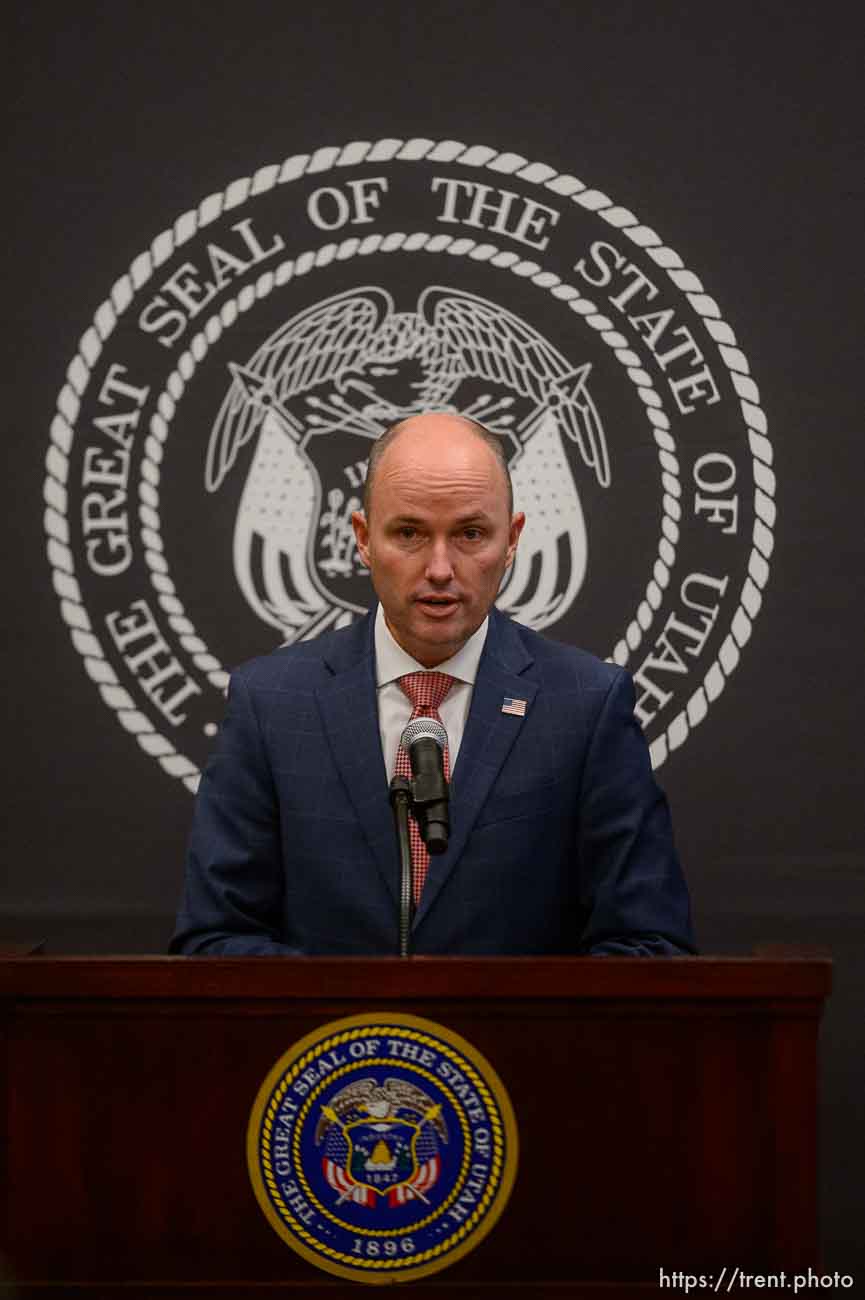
x: 517, y: 525
x: 361, y: 536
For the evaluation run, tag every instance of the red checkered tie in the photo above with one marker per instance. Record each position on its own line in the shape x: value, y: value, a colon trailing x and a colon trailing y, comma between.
x: 426, y: 692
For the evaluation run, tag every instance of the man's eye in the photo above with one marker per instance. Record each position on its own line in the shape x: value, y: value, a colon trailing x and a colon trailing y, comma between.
x: 472, y: 534
x: 407, y: 532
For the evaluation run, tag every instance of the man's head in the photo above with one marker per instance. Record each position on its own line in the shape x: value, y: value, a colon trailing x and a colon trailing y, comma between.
x: 437, y: 532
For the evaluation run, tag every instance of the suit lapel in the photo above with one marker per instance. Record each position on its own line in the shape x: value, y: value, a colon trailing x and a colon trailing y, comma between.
x: 349, y: 714
x: 487, y: 741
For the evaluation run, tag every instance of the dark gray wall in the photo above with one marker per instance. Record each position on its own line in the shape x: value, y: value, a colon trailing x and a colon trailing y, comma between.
x: 733, y: 132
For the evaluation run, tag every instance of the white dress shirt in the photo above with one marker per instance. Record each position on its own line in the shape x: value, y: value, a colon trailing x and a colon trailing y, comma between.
x: 394, y: 706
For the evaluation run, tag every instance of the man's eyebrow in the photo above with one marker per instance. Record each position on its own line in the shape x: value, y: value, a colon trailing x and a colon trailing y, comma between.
x: 477, y: 517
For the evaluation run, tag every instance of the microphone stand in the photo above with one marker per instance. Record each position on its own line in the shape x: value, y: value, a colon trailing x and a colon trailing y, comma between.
x: 400, y: 802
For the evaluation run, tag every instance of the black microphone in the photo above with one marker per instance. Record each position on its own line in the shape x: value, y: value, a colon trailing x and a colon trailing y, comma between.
x: 426, y: 740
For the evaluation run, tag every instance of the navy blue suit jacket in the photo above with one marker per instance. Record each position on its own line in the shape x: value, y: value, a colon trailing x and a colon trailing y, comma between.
x: 560, y: 838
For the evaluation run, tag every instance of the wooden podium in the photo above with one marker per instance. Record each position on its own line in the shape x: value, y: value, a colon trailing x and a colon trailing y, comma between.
x: 666, y: 1112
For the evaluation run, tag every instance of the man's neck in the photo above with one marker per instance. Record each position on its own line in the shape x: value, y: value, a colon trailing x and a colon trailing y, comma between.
x: 393, y: 658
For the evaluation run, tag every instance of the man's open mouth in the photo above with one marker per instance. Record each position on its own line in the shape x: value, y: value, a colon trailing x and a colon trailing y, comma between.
x: 438, y: 606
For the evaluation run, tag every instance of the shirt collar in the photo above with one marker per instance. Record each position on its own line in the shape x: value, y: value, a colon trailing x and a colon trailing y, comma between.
x: 391, y: 661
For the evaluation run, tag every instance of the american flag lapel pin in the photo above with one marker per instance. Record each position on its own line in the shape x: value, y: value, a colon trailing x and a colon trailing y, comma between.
x: 516, y: 707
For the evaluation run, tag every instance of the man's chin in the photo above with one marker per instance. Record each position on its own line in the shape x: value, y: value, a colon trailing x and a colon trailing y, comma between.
x: 431, y: 640
x: 441, y: 635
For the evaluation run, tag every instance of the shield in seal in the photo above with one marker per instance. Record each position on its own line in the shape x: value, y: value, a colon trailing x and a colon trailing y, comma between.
x: 383, y: 1156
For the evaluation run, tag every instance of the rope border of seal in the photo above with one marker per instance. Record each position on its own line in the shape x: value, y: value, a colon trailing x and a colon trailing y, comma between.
x: 417, y: 241
x: 141, y: 270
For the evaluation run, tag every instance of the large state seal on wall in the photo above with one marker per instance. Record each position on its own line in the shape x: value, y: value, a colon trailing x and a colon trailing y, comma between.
x: 211, y: 439
x: 382, y: 1147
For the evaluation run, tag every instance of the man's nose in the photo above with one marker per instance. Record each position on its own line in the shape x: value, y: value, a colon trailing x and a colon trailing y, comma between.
x: 439, y: 566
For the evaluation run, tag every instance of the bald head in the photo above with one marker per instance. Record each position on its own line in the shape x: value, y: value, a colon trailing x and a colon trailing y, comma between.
x: 423, y: 435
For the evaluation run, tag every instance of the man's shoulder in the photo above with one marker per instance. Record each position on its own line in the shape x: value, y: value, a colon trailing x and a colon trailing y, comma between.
x: 564, y: 664
x: 304, y: 663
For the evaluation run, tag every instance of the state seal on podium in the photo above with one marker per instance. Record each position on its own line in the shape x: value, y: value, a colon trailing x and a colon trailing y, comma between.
x: 382, y: 1148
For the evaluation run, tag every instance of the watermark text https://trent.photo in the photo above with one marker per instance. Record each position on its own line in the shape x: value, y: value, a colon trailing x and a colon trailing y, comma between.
x: 733, y: 1281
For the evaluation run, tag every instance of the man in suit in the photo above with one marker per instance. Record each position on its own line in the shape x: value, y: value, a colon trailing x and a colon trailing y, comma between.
x: 560, y: 839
